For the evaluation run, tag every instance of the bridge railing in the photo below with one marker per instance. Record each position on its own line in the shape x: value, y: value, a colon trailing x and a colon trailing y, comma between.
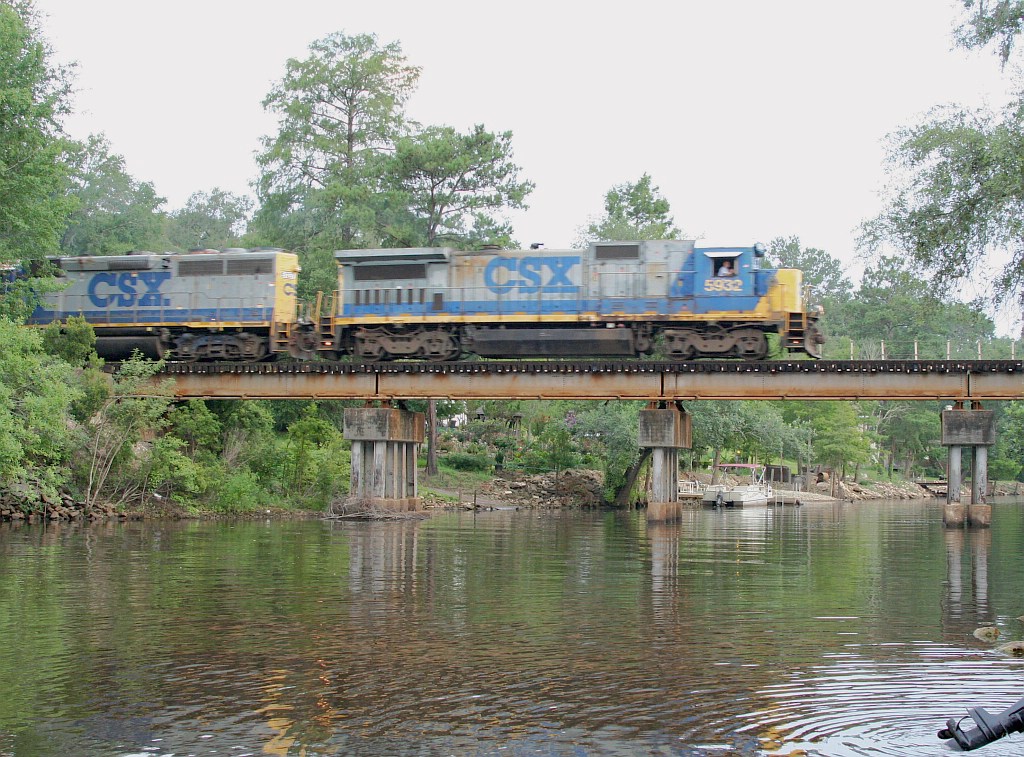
x: 918, y: 349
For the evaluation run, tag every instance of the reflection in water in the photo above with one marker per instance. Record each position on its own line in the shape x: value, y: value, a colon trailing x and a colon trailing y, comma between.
x: 838, y: 629
x: 967, y: 552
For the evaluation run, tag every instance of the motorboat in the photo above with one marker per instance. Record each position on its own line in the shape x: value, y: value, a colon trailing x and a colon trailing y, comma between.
x: 755, y: 491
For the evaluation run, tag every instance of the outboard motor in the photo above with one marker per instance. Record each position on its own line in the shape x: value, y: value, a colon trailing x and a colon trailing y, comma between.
x: 990, y: 727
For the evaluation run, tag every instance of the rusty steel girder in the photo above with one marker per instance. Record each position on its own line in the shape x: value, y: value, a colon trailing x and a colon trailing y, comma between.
x: 603, y: 380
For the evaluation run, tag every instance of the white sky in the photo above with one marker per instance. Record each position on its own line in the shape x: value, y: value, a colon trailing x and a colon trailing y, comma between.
x: 755, y: 118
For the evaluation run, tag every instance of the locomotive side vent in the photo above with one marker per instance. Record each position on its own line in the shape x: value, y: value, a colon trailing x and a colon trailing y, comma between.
x: 200, y: 267
x: 250, y: 267
x: 617, y: 252
x: 387, y: 272
x: 128, y: 264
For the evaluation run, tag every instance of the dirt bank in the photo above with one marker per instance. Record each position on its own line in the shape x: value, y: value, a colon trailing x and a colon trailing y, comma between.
x: 584, y: 489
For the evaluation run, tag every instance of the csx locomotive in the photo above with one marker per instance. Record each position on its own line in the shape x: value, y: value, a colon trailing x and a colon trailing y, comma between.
x: 612, y: 299
x: 200, y: 306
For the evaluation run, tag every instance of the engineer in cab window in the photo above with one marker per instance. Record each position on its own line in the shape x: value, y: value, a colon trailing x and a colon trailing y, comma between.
x: 726, y: 269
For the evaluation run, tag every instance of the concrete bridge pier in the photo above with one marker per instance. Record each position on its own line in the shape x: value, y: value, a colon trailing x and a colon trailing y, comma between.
x: 665, y: 431
x: 385, y: 445
x: 954, y: 514
x: 973, y: 428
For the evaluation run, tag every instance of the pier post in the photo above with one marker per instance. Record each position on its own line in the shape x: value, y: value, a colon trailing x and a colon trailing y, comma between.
x: 973, y: 428
x: 385, y: 443
x: 979, y: 513
x: 665, y: 431
x: 955, y: 512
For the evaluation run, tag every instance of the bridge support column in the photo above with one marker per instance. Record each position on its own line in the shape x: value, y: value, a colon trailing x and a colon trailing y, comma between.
x: 980, y: 511
x: 385, y: 443
x: 955, y: 512
x: 665, y: 430
x: 973, y: 428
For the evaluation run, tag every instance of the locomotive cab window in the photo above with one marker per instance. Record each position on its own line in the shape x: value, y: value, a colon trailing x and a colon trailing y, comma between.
x: 725, y: 267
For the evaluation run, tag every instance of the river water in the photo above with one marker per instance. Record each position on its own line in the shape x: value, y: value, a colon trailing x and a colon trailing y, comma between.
x: 827, y: 629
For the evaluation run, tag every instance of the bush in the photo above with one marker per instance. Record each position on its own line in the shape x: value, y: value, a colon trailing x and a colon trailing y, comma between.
x: 238, y: 492
x: 468, y: 462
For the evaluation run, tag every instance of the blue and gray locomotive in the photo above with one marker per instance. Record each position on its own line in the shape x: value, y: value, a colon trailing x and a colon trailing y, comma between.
x: 203, y: 306
x: 611, y: 299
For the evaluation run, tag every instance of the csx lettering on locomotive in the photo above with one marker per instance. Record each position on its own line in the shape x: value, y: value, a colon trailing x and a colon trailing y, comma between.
x: 110, y: 289
x: 530, y: 275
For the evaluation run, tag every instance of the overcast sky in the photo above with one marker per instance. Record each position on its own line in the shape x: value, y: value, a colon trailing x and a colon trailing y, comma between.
x: 755, y: 118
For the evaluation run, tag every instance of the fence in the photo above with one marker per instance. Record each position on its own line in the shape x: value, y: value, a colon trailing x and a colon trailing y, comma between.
x: 989, y: 349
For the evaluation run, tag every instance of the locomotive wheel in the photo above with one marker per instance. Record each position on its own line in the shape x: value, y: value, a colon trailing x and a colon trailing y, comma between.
x: 303, y: 346
x: 439, y: 346
x: 750, y: 344
x: 680, y: 344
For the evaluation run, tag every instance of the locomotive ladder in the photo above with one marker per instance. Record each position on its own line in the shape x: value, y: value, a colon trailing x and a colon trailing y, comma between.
x: 796, y: 326
x: 282, y: 335
x: 323, y: 318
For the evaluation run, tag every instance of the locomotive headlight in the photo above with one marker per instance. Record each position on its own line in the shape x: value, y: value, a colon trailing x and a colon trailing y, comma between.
x: 759, y: 250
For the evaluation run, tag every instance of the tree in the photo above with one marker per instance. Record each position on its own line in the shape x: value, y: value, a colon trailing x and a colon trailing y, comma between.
x: 73, y: 341
x: 988, y: 20
x: 136, y: 406
x: 718, y: 428
x: 1007, y: 460
x: 632, y: 211
x: 209, y: 221
x: 894, y: 305
x: 822, y: 272
x: 36, y: 393
x: 451, y: 182
x: 115, y: 213
x: 838, y: 438
x: 33, y: 97
x: 340, y: 110
x: 197, y: 427
x: 955, y: 202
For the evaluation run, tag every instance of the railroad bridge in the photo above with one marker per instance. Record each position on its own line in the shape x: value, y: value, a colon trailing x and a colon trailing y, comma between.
x: 385, y: 439
x: 952, y: 380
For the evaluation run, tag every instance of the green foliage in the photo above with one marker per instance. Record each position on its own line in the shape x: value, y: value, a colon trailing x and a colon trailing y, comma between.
x: 466, y: 461
x: 33, y: 97
x: 193, y: 422
x: 137, y: 406
x: 954, y: 209
x: 839, y: 440
x: 608, y: 433
x: 253, y: 417
x: 94, y: 387
x: 448, y: 179
x: 209, y: 221
x: 1007, y: 459
x: 238, y: 491
x: 992, y: 20
x: 36, y: 391
x: 822, y: 272
x: 958, y: 199
x: 633, y: 211
x: 312, y: 471
x: 171, y: 470
x: 115, y: 213
x: 895, y: 305
x: 73, y: 341
x: 340, y: 111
